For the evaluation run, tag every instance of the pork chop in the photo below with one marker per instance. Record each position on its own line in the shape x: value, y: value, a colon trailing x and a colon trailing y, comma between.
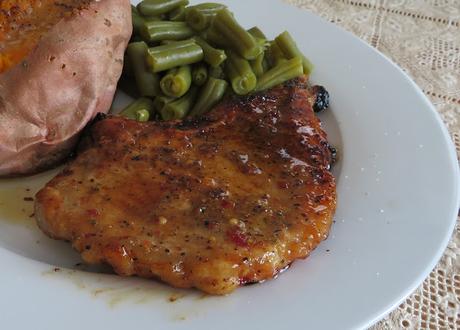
x: 213, y: 202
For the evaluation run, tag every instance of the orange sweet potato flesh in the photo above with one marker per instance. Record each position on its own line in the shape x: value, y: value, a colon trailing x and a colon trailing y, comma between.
x: 59, y: 65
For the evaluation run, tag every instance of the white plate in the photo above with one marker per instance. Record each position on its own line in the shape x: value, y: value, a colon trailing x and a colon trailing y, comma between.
x: 398, y: 199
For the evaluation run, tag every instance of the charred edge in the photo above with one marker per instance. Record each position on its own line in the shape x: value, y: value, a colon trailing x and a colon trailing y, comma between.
x: 322, y: 99
x: 194, y: 122
x: 99, y: 116
x: 265, y: 95
x: 277, y: 273
x: 334, y: 156
x: 296, y: 83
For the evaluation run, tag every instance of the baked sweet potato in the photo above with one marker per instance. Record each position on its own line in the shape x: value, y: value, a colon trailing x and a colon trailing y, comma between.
x: 68, y: 77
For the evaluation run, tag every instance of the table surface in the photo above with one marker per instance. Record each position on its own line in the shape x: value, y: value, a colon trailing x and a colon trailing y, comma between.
x: 423, y: 38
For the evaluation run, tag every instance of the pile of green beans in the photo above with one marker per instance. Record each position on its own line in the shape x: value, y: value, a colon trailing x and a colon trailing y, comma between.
x: 182, y: 60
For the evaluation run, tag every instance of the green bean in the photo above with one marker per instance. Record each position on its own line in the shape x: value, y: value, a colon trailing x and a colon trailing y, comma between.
x: 258, y: 65
x: 199, y: 74
x: 177, y: 14
x: 179, y: 108
x: 263, y: 43
x: 211, y: 93
x: 138, y: 21
x: 147, y: 82
x: 282, y: 72
x: 159, y: 7
x: 177, y: 81
x: 289, y: 47
x: 213, y: 56
x: 142, y: 115
x: 167, y: 42
x: 160, y: 101
x: 235, y: 35
x: 257, y: 33
x: 240, y: 74
x: 139, y: 110
x: 199, y: 17
x: 163, y: 30
x: 217, y: 72
x: 175, y: 54
x: 275, y: 55
x: 213, y: 37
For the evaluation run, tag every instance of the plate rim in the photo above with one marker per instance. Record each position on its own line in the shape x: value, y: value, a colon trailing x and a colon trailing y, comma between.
x: 453, y: 158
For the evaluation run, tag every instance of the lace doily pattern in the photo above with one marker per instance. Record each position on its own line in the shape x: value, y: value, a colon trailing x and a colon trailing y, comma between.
x: 423, y: 38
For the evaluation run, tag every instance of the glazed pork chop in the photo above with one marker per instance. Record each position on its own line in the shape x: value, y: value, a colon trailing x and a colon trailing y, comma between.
x: 73, y: 58
x: 213, y: 202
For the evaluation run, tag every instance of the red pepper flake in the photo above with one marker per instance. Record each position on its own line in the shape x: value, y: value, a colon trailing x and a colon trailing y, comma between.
x: 237, y: 237
x: 283, y: 185
x: 227, y: 205
x: 92, y: 213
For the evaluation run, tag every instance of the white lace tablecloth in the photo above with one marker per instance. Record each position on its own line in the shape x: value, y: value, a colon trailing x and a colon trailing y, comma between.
x: 423, y: 38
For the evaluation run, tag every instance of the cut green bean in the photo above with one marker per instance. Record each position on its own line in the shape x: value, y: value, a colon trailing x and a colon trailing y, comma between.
x: 213, y: 56
x: 275, y: 55
x: 160, y: 101
x: 139, y: 110
x: 179, y: 108
x: 217, y: 72
x: 159, y: 7
x: 257, y: 33
x: 177, y: 14
x: 211, y: 93
x: 257, y: 65
x: 147, y: 82
x: 179, y: 53
x: 142, y: 115
x: 199, y: 17
x: 199, y: 74
x: 138, y: 20
x: 281, y: 73
x: 240, y: 74
x: 214, y: 38
x: 163, y: 30
x: 167, y: 42
x: 235, y: 35
x: 177, y: 81
x: 289, y: 47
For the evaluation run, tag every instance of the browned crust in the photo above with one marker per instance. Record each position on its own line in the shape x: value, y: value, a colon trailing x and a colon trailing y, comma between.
x: 110, y: 202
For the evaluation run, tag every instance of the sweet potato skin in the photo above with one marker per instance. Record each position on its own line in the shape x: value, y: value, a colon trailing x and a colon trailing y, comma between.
x: 48, y: 98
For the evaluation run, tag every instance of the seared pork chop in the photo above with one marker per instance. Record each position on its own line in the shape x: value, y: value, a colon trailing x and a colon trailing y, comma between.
x: 212, y: 202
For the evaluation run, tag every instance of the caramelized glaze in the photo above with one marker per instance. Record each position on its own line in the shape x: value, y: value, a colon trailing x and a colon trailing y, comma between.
x: 213, y: 202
